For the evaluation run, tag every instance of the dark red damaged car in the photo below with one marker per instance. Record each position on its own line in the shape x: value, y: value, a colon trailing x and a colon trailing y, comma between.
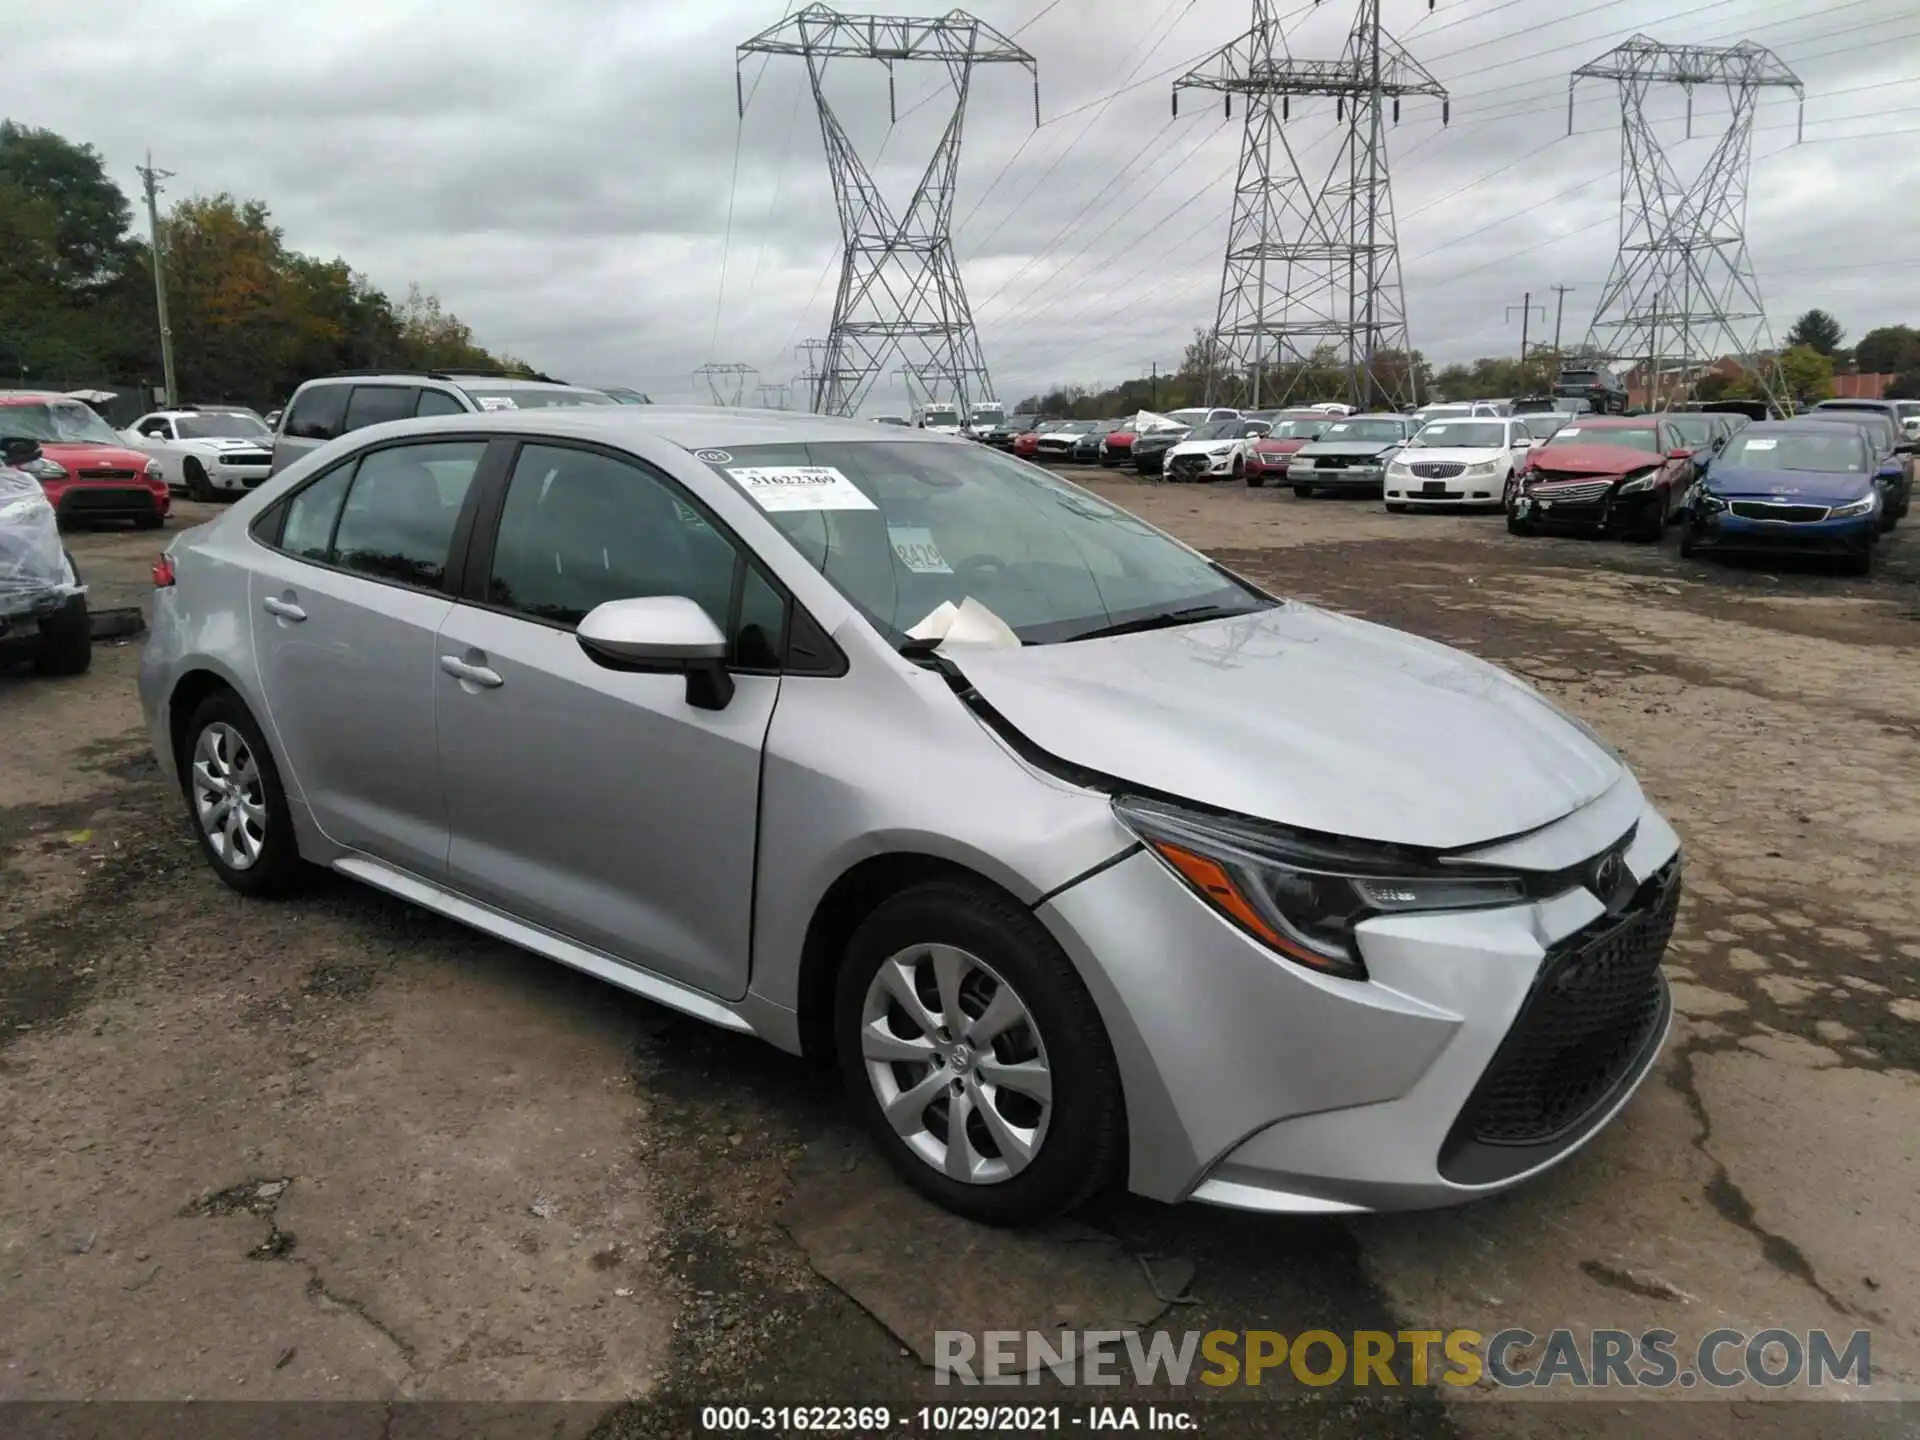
x: 1605, y: 475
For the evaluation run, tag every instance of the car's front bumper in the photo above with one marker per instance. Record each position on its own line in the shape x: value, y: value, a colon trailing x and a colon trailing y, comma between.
x: 1253, y: 1082
x: 1487, y: 490
x: 238, y: 478
x: 80, y: 501
x: 1199, y: 467
x: 1725, y: 531
x: 1612, y: 513
x: 1347, y: 477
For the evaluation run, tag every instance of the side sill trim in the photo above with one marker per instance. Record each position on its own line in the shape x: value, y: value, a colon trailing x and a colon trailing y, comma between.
x: 487, y: 920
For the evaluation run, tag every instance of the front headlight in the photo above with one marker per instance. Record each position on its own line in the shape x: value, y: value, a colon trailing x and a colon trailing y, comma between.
x: 1864, y: 506
x: 1220, y: 450
x: 1639, y: 483
x: 1300, y: 895
x: 154, y: 472
x: 45, y: 469
x: 1484, y: 467
x: 1400, y: 467
x: 1708, y: 502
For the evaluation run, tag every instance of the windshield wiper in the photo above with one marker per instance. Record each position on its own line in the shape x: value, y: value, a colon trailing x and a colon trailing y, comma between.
x: 1165, y: 620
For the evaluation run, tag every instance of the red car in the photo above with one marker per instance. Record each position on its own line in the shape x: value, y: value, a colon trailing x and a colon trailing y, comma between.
x: 1608, y: 475
x: 1291, y: 430
x: 87, y: 472
x: 1116, y: 449
x: 1027, y: 446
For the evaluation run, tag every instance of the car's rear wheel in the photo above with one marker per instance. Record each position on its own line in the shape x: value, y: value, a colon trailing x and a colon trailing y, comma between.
x: 235, y: 799
x: 66, y: 640
x: 976, y: 1056
x: 199, y: 487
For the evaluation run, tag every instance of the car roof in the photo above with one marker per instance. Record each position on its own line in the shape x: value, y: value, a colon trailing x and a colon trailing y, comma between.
x: 458, y: 378
x: 691, y: 427
x: 1617, y: 422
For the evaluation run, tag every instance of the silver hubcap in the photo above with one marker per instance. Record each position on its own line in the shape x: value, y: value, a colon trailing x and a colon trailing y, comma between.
x: 957, y: 1064
x: 228, y: 796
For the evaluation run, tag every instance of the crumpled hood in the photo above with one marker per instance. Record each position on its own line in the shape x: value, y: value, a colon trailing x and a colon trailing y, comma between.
x: 1308, y: 719
x: 1818, y: 487
x: 1594, y: 459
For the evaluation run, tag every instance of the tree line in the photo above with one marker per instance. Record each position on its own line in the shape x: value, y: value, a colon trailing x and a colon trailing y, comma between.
x: 1814, y: 352
x: 251, y: 318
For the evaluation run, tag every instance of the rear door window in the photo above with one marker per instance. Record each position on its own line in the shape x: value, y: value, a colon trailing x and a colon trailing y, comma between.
x: 438, y: 402
x: 401, y: 510
x: 318, y: 413
x: 376, y: 404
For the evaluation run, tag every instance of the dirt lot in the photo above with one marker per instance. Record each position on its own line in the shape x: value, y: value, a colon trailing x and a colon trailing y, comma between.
x: 334, y: 1148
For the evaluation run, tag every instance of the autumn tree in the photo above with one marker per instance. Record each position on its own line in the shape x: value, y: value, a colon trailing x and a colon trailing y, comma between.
x: 1806, y: 374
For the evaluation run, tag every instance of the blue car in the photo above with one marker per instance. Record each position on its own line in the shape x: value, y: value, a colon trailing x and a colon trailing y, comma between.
x: 1792, y: 487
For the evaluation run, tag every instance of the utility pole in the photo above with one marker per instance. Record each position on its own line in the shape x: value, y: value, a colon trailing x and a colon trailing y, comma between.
x: 150, y: 179
x: 1559, y: 310
x: 1526, y: 307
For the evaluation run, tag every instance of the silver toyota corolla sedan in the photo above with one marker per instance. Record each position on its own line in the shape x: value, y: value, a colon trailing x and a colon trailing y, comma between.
x: 1084, y: 858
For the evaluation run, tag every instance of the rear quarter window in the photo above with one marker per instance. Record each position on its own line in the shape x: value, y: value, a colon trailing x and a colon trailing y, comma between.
x: 377, y: 404
x: 317, y: 413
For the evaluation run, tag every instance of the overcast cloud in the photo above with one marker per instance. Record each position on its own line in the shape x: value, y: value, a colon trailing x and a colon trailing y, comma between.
x: 558, y: 170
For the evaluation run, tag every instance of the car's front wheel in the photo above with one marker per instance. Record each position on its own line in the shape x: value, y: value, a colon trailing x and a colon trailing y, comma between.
x: 976, y: 1056
x: 199, y: 487
x: 235, y: 799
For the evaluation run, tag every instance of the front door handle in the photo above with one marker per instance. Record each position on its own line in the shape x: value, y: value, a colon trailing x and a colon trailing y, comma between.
x: 471, y: 674
x: 284, y: 609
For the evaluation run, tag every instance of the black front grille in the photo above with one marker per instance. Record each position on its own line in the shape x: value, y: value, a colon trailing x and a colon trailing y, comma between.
x: 1794, y: 514
x: 1189, y: 464
x: 1437, y: 469
x: 1335, y: 462
x: 107, y: 473
x: 107, y: 500
x: 246, y: 457
x: 1593, y: 1008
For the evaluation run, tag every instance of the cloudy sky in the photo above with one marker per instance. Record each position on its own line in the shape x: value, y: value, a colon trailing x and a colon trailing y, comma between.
x: 571, y: 178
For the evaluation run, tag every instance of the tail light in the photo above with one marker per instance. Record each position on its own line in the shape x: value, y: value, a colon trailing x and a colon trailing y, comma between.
x: 163, y: 572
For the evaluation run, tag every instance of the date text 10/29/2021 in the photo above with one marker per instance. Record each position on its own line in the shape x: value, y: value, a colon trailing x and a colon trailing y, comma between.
x: 878, y: 1420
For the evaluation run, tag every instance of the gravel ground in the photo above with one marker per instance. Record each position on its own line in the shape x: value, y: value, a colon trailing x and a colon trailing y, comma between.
x: 335, y: 1148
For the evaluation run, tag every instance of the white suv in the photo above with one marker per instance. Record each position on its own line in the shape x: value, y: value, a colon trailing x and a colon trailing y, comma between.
x: 327, y: 408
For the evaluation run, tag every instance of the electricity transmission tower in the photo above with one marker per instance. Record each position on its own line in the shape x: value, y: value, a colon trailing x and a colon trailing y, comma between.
x: 1682, y: 290
x: 774, y: 396
x: 1312, y: 264
x: 727, y: 384
x: 900, y: 291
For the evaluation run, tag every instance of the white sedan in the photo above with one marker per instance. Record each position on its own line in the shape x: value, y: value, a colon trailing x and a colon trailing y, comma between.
x: 1458, y: 462
x: 206, y: 452
x: 1217, y: 450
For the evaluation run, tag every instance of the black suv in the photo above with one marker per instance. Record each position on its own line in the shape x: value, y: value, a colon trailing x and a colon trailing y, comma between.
x: 1604, y: 391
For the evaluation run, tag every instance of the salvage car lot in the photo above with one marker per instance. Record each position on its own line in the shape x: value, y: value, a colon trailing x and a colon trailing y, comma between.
x: 246, y: 1168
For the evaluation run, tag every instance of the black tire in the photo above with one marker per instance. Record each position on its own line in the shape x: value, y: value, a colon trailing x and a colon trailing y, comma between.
x: 1653, y: 528
x: 66, y: 640
x: 277, y: 865
x: 1689, y: 546
x: 1256, y: 482
x: 1860, y: 564
x: 149, y: 522
x: 1303, y: 492
x: 1396, y: 507
x: 199, y: 487
x: 1517, y: 526
x: 1239, y: 468
x: 1084, y: 1141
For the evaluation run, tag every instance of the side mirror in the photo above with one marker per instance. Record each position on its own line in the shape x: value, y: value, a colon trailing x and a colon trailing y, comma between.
x: 661, y: 635
x: 1891, y: 470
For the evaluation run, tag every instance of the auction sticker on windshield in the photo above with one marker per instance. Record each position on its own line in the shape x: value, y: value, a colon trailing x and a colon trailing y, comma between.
x: 800, y: 487
x: 496, y: 402
x: 914, y: 546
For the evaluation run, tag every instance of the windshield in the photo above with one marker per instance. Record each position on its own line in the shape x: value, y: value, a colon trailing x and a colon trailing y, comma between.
x: 1343, y: 430
x: 988, y: 414
x: 1541, y: 426
x: 1693, y: 430
x: 55, y: 422
x: 900, y: 529
x: 1461, y: 435
x: 534, y: 397
x: 1297, y: 429
x: 1633, y: 437
x: 942, y: 415
x: 1835, y: 454
x: 224, y: 426
x: 1871, y: 421
x: 1221, y: 430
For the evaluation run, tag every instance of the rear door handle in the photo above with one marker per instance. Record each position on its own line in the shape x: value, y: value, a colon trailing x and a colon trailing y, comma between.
x: 472, y: 674
x: 285, y: 609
